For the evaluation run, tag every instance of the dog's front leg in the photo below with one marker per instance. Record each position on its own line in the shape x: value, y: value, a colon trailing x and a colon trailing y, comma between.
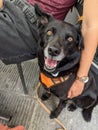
x: 57, y: 111
x: 45, y: 96
x: 87, y: 113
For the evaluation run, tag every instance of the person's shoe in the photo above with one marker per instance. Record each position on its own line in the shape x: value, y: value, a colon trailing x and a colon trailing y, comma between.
x: 3, y: 127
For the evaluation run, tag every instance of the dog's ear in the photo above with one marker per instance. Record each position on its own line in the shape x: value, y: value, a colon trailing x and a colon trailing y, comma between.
x: 79, y: 37
x: 43, y: 17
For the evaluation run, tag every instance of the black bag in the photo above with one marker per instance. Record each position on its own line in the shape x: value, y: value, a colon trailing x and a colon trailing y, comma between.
x: 18, y: 35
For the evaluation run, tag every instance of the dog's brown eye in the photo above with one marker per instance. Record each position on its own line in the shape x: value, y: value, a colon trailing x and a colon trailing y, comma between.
x: 70, y: 39
x: 49, y: 33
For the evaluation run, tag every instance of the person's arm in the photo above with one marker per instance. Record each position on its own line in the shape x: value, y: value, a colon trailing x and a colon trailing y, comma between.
x: 1, y: 4
x: 90, y: 36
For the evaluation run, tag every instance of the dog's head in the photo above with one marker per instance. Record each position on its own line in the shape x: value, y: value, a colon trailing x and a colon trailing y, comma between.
x: 59, y: 41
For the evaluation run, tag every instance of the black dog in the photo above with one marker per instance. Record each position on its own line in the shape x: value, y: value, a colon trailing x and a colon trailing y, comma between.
x: 59, y: 52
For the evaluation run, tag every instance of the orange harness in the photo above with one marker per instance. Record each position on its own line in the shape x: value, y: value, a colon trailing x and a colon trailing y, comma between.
x: 49, y: 82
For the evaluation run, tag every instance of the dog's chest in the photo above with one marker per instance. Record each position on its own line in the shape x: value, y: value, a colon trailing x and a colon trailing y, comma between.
x: 58, y: 86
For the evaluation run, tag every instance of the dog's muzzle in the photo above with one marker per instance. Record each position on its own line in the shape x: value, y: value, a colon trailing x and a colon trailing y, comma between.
x: 52, y: 56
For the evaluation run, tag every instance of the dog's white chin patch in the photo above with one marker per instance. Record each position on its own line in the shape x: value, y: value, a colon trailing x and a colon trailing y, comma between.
x: 50, y: 63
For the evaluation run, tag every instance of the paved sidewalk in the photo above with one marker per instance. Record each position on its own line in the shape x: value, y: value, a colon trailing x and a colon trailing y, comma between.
x: 25, y: 110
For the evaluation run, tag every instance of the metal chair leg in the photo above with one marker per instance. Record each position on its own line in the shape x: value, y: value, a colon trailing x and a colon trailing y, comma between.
x: 22, y: 77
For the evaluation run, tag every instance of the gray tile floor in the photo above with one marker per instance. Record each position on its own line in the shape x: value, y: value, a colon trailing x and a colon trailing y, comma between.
x: 26, y: 110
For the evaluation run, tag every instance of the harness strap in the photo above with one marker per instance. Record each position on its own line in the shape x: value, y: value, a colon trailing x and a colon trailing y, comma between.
x: 80, y: 18
x: 49, y: 82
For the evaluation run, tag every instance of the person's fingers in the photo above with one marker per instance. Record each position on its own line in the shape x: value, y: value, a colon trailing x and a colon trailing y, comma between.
x: 2, y: 127
x: 69, y: 94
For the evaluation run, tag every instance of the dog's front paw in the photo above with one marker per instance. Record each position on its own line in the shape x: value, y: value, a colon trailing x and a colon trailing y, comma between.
x: 45, y: 96
x: 72, y: 107
x: 87, y: 115
x: 53, y: 115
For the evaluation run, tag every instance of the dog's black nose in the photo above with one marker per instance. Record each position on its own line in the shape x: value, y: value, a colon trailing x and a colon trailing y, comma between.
x: 53, y: 51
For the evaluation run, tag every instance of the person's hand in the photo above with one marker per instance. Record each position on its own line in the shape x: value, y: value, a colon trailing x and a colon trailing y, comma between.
x: 76, y: 89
